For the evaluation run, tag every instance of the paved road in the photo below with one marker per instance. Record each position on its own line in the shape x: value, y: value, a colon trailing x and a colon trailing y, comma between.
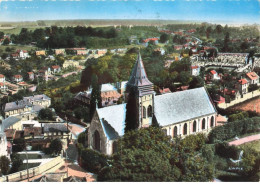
x: 245, y: 140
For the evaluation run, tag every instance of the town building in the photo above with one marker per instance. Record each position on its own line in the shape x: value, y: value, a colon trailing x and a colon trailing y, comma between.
x: 195, y: 70
x: 13, y: 122
x: 179, y: 114
x: 17, y: 78
x: 70, y: 63
x: 252, y: 78
x: 59, y: 51
x: 55, y: 69
x: 154, y: 40
x: 27, y: 108
x: 40, y: 53
x: 213, y: 75
x: 30, y: 75
x: 242, y: 86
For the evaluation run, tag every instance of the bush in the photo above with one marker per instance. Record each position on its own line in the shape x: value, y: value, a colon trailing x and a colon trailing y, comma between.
x: 226, y: 151
x: 236, y: 128
x: 221, y: 163
x: 92, y: 161
x: 19, y: 145
x: 194, y: 142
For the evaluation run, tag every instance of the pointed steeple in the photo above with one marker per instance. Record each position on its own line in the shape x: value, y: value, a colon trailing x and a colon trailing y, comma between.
x: 138, y: 76
x: 139, y: 79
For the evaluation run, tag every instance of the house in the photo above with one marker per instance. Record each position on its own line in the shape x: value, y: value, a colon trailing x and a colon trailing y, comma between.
x: 195, y: 70
x: 40, y: 53
x: 55, y: 69
x: 101, y: 52
x: 160, y: 50
x: 179, y: 114
x: 82, y: 52
x: 17, y: 78
x: 252, y: 78
x: 57, y: 130
x: 164, y: 91
x: 178, y: 47
x: 22, y: 54
x: 30, y: 75
x: 213, y: 75
x: 242, y: 86
x: 59, y: 51
x: 27, y: 108
x: 2, y: 78
x: 13, y: 122
x: 2, y: 86
x: 154, y: 40
x: 71, y: 63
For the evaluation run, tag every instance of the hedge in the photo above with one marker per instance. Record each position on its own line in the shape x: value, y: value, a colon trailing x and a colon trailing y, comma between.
x: 236, y: 128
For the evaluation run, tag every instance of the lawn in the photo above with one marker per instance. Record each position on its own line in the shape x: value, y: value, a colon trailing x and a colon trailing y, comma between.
x: 28, y: 48
x: 255, y: 145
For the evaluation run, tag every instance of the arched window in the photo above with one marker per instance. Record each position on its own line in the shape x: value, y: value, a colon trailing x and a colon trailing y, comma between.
x: 96, y: 141
x: 203, y: 124
x: 150, y: 111
x: 185, y: 129
x: 194, y: 126
x: 212, y: 121
x: 175, y: 131
x: 144, y: 112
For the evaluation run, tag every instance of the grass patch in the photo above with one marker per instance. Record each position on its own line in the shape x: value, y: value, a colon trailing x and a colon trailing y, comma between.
x: 22, y: 47
x: 254, y: 145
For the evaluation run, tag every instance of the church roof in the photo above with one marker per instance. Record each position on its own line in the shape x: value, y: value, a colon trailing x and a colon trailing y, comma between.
x: 112, y: 119
x: 181, y: 106
x: 138, y: 76
x: 169, y: 109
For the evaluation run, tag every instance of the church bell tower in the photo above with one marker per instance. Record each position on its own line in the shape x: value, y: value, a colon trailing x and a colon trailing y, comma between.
x: 144, y: 93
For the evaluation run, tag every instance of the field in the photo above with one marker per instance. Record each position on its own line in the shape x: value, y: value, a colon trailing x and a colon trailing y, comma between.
x: 28, y: 48
x: 251, y: 105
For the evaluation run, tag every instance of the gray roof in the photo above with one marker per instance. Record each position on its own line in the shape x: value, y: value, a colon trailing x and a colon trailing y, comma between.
x: 112, y: 119
x: 10, y: 121
x: 169, y: 109
x: 16, y: 105
x: 181, y: 106
x: 36, y: 97
x: 55, y: 127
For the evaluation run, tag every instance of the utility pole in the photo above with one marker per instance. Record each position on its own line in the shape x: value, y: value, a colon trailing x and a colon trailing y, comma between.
x: 27, y: 163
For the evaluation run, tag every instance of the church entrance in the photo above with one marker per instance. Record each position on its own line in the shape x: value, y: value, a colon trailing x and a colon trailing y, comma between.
x: 96, y: 141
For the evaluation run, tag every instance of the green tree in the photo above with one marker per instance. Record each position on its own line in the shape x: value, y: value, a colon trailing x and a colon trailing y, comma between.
x: 55, y: 146
x: 4, y: 165
x: 16, y: 162
x: 6, y: 41
x: 95, y: 95
x: 196, y: 82
x: 18, y: 145
x: 46, y: 114
x: 164, y: 37
x: 131, y: 120
x: 226, y: 42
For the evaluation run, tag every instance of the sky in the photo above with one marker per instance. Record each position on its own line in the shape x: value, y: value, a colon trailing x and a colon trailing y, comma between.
x: 235, y: 11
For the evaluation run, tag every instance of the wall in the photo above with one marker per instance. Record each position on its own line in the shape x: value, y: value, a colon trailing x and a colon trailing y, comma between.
x: 50, y: 166
x: 239, y: 99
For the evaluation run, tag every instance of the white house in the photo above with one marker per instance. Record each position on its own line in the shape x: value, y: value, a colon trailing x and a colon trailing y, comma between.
x: 252, y: 78
x: 195, y: 70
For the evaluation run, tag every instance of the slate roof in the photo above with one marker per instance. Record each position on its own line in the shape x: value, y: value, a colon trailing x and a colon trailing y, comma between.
x: 107, y: 87
x: 112, y: 119
x: 16, y: 105
x: 181, y: 106
x: 38, y: 97
x: 55, y: 127
x: 169, y: 109
x: 10, y: 121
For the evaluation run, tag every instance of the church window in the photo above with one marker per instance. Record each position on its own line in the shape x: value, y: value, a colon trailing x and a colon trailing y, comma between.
x: 96, y: 139
x: 150, y: 111
x: 194, y: 126
x: 212, y: 121
x: 203, y: 124
x: 185, y: 129
x: 175, y: 131
x: 144, y: 112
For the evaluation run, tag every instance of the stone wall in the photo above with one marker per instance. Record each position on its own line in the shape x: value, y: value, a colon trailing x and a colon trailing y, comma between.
x: 50, y: 166
x: 240, y: 99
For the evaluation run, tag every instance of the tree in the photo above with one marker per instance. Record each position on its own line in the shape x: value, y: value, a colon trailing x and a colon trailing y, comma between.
x: 55, y: 146
x: 6, y: 41
x: 16, y: 162
x: 2, y: 34
x: 131, y: 120
x: 95, y: 95
x: 219, y: 28
x: 196, y: 82
x: 4, y: 165
x: 226, y: 42
x: 18, y: 145
x: 46, y: 114
x: 164, y: 37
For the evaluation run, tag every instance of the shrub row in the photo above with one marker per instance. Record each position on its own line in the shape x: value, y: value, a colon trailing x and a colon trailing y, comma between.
x: 233, y: 129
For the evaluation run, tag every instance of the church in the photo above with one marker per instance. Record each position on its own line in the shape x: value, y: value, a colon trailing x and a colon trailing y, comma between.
x: 178, y: 114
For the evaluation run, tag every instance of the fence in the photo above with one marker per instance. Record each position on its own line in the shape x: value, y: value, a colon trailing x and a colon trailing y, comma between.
x: 247, y: 96
x: 50, y: 166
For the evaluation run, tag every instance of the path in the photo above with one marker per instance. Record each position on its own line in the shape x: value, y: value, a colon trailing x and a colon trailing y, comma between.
x: 245, y: 140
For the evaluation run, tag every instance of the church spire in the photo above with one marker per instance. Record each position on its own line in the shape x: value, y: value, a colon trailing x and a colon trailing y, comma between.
x: 139, y: 79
